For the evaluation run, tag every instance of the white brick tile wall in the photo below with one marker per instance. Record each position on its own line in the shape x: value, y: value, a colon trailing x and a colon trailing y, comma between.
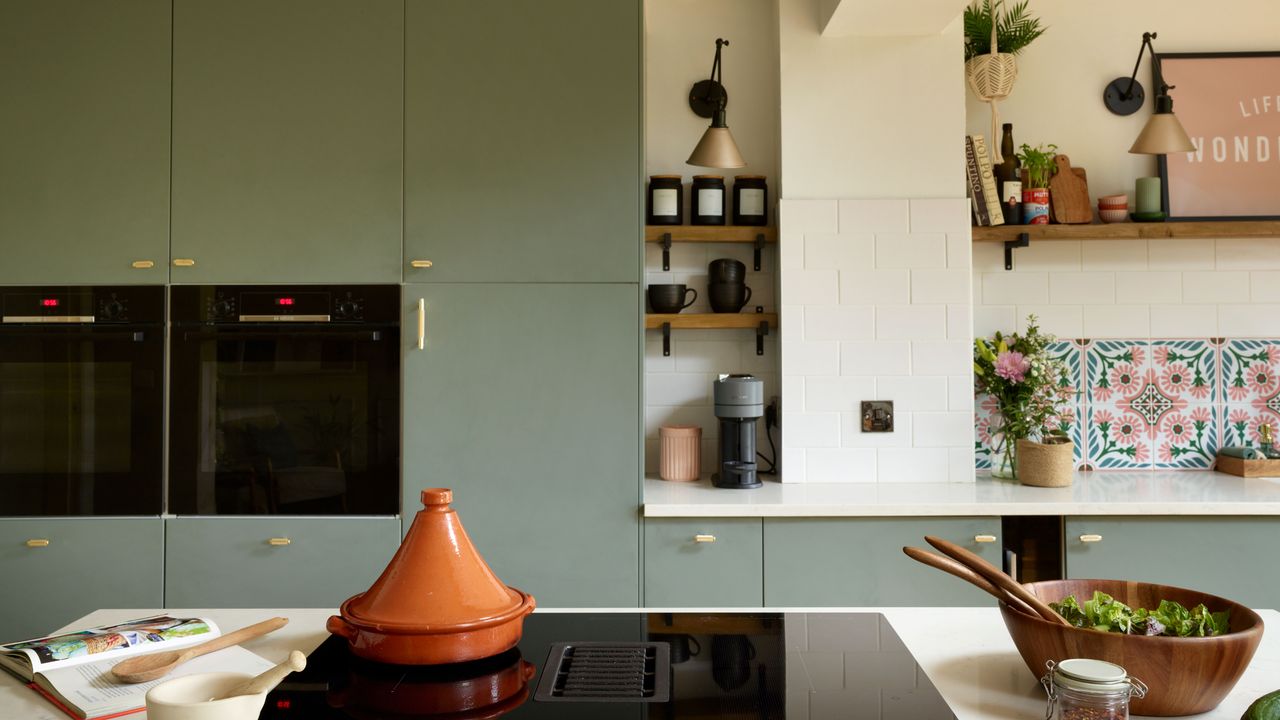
x: 1215, y: 286
x: 1184, y: 321
x: 851, y: 434
x: 702, y: 356
x: 939, y: 215
x: 913, y: 394
x: 871, y: 287
x: 1152, y: 287
x: 678, y: 389
x: 987, y: 257
x: 1065, y: 321
x: 810, y: 287
x: 941, y: 358
x: 856, y: 465
x: 948, y: 429
x: 1059, y: 255
x: 837, y: 394
x: 1015, y: 288
x: 1256, y: 320
x: 960, y: 322
x: 839, y: 322
x: 839, y: 252
x: 818, y: 429
x: 1124, y: 321
x: 960, y: 249
x: 960, y: 393
x: 1247, y: 253
x: 809, y: 216
x: 912, y: 465
x: 1180, y: 254
x: 1114, y: 255
x: 1082, y: 288
x: 960, y: 464
x: 911, y: 322
x: 875, y: 215
x: 987, y: 319
x: 1264, y: 286
x: 810, y: 358
x: 911, y: 250
x: 940, y: 286
x: 875, y: 358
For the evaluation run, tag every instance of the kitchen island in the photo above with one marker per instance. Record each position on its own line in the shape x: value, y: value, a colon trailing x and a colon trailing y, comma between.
x: 964, y: 652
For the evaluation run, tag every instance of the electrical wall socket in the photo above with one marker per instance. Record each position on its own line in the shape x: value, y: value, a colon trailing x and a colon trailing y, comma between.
x: 877, y: 416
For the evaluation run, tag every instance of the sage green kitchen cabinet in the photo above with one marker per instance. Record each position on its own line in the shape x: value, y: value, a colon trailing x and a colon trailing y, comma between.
x: 237, y: 562
x: 1233, y: 557
x: 84, y: 141
x: 523, y: 156
x: 59, y: 569
x: 525, y: 400
x: 287, y: 140
x: 858, y: 562
x: 703, y: 562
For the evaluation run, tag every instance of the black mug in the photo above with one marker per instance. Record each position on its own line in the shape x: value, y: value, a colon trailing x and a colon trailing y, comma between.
x: 731, y: 657
x: 728, y: 297
x: 683, y: 647
x: 669, y: 298
x: 726, y: 270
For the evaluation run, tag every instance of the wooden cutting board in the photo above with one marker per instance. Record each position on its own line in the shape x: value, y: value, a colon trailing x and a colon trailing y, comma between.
x: 1069, y: 194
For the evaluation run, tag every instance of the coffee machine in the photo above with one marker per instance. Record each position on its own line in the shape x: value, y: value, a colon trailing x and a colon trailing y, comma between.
x: 739, y: 401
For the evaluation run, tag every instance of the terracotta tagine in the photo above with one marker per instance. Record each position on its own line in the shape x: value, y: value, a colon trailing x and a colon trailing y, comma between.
x: 437, y: 601
x: 480, y: 690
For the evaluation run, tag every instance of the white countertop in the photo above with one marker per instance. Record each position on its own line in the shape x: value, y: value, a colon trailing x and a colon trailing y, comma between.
x: 965, y: 652
x: 1092, y: 493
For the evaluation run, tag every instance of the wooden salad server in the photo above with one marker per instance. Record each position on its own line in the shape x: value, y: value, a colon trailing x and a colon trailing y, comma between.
x: 145, y: 668
x: 948, y: 565
x: 997, y: 577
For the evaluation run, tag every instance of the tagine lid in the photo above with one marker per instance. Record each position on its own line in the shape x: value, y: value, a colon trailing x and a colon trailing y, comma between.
x: 437, y: 581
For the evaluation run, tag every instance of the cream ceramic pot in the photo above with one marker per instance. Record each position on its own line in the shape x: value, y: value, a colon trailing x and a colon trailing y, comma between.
x: 187, y: 698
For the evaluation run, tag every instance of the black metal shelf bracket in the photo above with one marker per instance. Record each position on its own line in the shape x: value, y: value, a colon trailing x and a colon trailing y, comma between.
x: 759, y: 249
x: 762, y: 330
x: 666, y: 252
x: 1024, y: 240
x: 666, y: 339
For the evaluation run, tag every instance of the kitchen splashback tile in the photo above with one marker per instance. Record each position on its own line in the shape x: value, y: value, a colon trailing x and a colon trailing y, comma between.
x: 1251, y: 373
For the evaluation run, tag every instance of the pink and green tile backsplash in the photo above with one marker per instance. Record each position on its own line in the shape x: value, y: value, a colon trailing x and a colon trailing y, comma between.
x: 1160, y: 404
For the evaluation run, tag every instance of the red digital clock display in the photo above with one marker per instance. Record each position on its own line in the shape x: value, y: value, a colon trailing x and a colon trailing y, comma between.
x: 284, y: 301
x: 49, y: 302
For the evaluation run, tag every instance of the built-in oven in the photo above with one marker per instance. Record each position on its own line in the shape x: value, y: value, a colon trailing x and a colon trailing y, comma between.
x: 81, y: 400
x: 285, y: 400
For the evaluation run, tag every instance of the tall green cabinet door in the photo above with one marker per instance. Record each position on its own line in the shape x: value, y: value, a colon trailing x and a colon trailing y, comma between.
x: 523, y: 157
x: 287, y: 140
x: 84, y: 141
x: 525, y: 400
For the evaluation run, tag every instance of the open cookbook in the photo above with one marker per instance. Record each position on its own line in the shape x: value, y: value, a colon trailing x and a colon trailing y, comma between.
x: 73, y: 671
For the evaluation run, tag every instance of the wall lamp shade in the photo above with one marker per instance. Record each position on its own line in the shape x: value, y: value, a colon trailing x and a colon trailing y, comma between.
x: 717, y: 148
x: 1163, y: 133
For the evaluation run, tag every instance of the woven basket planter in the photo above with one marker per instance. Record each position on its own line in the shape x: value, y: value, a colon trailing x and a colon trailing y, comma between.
x: 991, y: 79
x: 1045, y: 464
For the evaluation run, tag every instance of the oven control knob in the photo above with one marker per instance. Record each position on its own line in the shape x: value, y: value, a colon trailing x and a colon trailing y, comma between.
x: 112, y: 309
x: 348, y: 309
x: 223, y: 308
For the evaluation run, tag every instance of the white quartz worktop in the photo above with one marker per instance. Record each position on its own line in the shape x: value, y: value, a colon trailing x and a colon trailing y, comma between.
x: 1092, y: 493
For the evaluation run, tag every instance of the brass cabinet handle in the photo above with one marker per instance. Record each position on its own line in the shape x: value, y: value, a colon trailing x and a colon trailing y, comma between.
x: 422, y: 323
x: 183, y: 262
x: 420, y: 263
x: 279, y: 541
x: 1090, y: 538
x: 984, y: 538
x: 704, y: 538
x: 38, y: 542
x: 143, y: 264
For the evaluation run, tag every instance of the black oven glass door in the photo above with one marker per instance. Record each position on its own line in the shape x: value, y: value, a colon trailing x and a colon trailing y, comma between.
x: 284, y: 418
x: 81, y: 419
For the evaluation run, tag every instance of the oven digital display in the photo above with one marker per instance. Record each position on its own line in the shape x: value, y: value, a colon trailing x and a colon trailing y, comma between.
x: 49, y: 302
x: 284, y: 301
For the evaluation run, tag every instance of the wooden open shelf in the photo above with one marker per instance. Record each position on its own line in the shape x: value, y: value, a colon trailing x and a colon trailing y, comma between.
x: 1131, y: 231
x: 710, y: 233
x: 710, y: 321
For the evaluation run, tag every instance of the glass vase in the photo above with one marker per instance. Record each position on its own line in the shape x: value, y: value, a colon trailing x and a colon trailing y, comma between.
x: 1004, y: 459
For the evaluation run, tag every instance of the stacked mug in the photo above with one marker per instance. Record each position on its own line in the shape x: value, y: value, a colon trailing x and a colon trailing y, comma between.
x: 727, y: 291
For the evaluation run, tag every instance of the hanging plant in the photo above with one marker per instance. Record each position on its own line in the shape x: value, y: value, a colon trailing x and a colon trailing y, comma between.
x: 992, y: 37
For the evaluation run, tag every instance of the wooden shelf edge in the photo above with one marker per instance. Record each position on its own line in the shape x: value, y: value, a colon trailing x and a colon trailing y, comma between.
x: 710, y: 233
x: 710, y: 321
x: 1132, y: 230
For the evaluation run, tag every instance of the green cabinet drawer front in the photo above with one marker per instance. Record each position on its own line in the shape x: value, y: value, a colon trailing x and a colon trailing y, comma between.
x: 232, y: 562
x: 716, y: 562
x: 1233, y: 557
x: 84, y: 141
x: 523, y: 140
x: 858, y: 562
x: 525, y: 401
x: 287, y: 140
x: 88, y: 563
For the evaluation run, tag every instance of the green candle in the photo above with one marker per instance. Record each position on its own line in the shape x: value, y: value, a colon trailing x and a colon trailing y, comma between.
x: 1148, y: 195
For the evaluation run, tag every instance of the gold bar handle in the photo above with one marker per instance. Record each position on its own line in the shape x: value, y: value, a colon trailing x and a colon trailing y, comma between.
x: 422, y: 323
x: 984, y: 538
x: 38, y: 542
x: 704, y: 538
x: 420, y: 263
x: 279, y: 541
x: 183, y: 262
x: 143, y: 264
x: 1090, y: 538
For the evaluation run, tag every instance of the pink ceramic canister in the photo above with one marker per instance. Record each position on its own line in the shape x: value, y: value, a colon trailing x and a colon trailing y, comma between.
x: 680, y: 456
x: 1035, y: 206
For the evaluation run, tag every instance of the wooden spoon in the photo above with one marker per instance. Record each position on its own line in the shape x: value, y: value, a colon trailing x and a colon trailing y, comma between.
x: 269, y: 679
x: 948, y: 565
x: 998, y: 578
x: 146, y: 668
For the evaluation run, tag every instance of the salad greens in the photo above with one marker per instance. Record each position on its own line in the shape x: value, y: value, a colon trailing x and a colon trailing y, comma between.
x: 1105, y: 613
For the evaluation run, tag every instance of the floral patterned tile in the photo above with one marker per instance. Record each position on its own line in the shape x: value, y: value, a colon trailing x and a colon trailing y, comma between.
x: 1241, y: 421
x: 986, y: 421
x: 1187, y: 369
x: 1187, y: 439
x: 1117, y: 438
x: 1115, y: 369
x: 1251, y: 373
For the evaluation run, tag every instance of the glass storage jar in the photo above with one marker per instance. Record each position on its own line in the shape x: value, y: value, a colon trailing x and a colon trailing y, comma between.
x: 1083, y: 689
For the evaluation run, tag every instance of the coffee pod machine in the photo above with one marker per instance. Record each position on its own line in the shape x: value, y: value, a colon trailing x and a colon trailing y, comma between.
x: 739, y: 401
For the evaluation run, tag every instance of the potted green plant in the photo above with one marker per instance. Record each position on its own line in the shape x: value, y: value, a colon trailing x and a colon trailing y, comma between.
x: 993, y: 35
x: 1039, y: 164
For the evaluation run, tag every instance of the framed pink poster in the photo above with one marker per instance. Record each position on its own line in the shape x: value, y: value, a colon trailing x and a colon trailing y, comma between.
x: 1229, y: 103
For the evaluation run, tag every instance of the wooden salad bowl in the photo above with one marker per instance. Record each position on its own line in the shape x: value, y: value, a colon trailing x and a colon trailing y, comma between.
x: 1185, y: 676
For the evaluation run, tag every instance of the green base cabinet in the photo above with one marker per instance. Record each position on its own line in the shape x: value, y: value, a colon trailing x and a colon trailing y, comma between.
x: 84, y: 142
x: 858, y: 562
x: 288, y: 148
x: 523, y: 154
x: 57, y: 570
x: 1232, y: 557
x: 713, y: 562
x: 275, y: 562
x: 525, y: 400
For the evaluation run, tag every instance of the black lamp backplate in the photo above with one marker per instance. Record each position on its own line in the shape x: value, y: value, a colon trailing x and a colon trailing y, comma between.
x: 1113, y: 97
x: 706, y: 96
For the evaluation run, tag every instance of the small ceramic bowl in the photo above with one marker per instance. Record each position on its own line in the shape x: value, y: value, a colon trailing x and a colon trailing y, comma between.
x: 1113, y: 216
x: 187, y: 698
x: 1114, y: 200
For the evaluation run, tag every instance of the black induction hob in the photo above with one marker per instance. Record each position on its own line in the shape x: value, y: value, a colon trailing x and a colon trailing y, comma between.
x: 716, y: 665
